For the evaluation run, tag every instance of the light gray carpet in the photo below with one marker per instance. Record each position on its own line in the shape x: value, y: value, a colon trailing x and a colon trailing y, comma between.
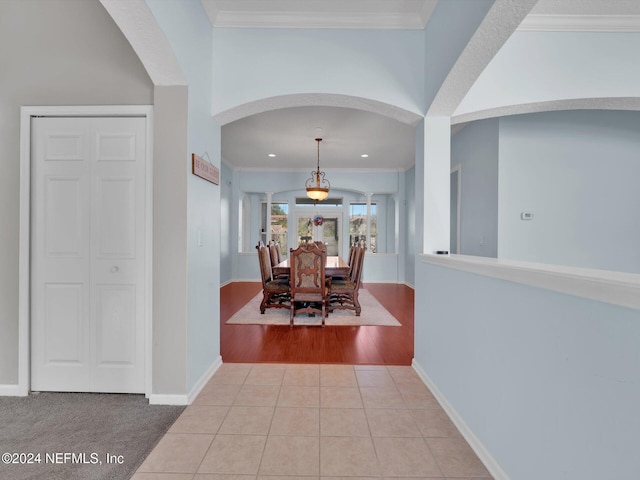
x: 80, y: 423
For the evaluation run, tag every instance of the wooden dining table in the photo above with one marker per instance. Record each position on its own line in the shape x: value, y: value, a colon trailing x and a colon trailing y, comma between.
x: 335, y: 266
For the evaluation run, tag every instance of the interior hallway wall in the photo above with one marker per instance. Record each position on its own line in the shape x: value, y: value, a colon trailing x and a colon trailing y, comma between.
x: 547, y: 382
x: 190, y: 34
x: 411, y: 239
x: 577, y: 173
x: 255, y: 64
x: 535, y: 67
x: 56, y: 52
x: 228, y: 215
x: 475, y: 150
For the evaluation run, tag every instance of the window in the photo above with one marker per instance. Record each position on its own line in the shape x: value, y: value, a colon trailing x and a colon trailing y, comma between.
x: 279, y: 225
x: 329, y: 202
x: 358, y: 225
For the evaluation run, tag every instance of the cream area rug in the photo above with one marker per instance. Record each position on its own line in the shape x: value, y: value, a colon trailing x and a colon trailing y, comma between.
x: 373, y: 313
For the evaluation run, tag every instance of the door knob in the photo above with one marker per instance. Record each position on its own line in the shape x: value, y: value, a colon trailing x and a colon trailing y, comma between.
x: 114, y: 269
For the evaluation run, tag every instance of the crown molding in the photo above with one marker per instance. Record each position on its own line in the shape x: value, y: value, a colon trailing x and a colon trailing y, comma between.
x: 602, y: 103
x: 334, y: 14
x: 328, y: 171
x: 581, y: 23
x: 360, y: 20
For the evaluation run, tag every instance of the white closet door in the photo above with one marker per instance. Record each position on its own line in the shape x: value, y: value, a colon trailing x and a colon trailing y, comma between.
x: 87, y: 253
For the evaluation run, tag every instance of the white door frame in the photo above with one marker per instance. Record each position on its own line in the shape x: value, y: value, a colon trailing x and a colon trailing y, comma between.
x: 326, y: 212
x: 24, y: 280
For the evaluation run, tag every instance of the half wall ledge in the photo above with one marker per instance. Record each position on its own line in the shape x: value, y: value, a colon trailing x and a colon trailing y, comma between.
x: 617, y: 288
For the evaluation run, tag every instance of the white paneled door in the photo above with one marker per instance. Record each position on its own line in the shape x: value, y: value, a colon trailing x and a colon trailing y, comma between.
x: 87, y: 254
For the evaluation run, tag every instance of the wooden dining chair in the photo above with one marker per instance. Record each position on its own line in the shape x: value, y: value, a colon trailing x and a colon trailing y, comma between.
x: 275, y: 291
x: 274, y: 253
x: 344, y: 292
x: 308, y: 284
x: 352, y: 251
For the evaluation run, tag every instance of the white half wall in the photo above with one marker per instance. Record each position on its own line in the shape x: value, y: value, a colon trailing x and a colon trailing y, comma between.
x: 546, y: 382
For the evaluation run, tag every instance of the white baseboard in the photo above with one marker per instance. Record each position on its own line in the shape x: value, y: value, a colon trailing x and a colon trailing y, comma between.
x: 161, y: 399
x: 481, y: 451
x: 197, y: 388
x: 13, y: 391
x: 412, y: 287
x: 226, y: 283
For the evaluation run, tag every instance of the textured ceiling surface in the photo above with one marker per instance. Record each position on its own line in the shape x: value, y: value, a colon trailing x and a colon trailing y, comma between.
x: 289, y: 134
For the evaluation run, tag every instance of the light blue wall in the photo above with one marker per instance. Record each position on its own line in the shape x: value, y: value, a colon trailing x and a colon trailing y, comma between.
x: 409, y: 208
x: 577, y: 172
x: 547, y: 66
x: 450, y: 27
x: 187, y: 27
x: 547, y: 382
x: 350, y: 186
x: 475, y: 149
x: 383, y: 65
x: 228, y: 217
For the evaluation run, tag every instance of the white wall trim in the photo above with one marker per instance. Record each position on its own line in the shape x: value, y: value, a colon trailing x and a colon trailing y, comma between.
x: 478, y: 447
x: 160, y: 399
x: 140, y: 27
x: 617, y: 288
x: 200, y: 384
x: 316, y: 100
x: 13, y: 391
x: 496, y: 28
x: 580, y: 23
x: 357, y: 20
x: 601, y: 103
x: 24, y: 271
x: 249, y: 280
x: 314, y: 14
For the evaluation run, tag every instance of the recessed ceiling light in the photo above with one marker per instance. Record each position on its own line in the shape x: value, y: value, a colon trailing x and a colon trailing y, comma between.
x: 364, y: 155
x: 272, y: 155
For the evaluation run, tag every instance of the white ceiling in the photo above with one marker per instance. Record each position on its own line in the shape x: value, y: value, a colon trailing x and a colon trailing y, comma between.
x: 348, y: 133
x: 290, y: 132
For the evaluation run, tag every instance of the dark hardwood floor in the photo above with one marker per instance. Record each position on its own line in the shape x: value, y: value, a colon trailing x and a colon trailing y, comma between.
x: 367, y: 345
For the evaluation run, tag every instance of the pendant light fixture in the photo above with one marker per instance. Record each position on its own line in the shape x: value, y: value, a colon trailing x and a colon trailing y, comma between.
x: 317, y: 186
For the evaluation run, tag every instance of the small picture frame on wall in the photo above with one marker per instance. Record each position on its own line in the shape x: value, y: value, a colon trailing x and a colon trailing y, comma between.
x: 204, y: 169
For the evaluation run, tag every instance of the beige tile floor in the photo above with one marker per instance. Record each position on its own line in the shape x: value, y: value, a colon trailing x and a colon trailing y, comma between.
x: 305, y: 422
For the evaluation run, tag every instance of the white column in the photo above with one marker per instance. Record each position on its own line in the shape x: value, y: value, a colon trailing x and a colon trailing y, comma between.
x: 268, y: 229
x: 368, y: 195
x: 437, y: 171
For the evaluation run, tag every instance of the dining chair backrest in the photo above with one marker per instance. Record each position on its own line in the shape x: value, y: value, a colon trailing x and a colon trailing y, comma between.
x: 358, y: 261
x: 352, y: 253
x: 308, y: 270
x: 273, y: 253
x: 265, y: 264
x: 321, y: 245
